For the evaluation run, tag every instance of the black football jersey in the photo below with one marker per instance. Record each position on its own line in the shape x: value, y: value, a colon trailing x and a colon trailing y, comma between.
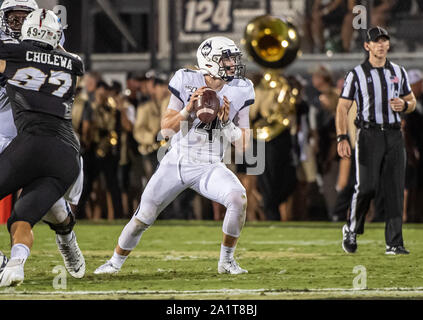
x: 41, y: 87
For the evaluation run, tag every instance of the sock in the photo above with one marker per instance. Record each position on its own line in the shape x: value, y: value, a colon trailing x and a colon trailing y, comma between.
x: 65, y: 238
x: 19, y: 251
x: 226, y: 253
x: 117, y: 260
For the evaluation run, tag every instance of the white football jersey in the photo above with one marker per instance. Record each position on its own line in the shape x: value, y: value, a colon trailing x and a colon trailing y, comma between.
x: 202, y: 142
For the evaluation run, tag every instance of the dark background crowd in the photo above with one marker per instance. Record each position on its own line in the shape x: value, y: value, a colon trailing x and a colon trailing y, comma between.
x: 327, y: 24
x: 304, y: 179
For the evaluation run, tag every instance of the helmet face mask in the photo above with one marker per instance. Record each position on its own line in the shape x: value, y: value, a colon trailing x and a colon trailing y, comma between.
x: 220, y: 58
x: 230, y: 65
x: 14, y: 22
x: 13, y: 14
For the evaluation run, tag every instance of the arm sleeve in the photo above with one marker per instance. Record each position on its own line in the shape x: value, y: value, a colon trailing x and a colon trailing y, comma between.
x: 405, y: 83
x: 175, y: 103
x: 248, y: 95
x: 242, y: 119
x: 348, y: 90
x: 176, y: 85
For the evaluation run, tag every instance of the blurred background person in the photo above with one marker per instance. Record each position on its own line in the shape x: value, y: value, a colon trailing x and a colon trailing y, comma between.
x: 336, y: 17
x: 127, y: 115
x: 104, y: 151
x: 306, y: 160
x: 413, y: 134
x: 131, y: 179
x: 277, y: 183
x: 90, y: 81
x: 323, y: 107
x: 148, y: 123
x: 385, y: 12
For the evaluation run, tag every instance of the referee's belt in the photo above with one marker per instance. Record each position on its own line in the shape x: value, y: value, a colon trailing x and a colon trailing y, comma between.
x: 380, y: 126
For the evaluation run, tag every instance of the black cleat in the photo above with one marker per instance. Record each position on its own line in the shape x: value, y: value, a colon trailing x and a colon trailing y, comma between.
x: 349, y: 242
x: 396, y: 250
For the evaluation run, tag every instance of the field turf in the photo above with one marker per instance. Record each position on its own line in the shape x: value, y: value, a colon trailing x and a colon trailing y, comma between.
x: 178, y: 260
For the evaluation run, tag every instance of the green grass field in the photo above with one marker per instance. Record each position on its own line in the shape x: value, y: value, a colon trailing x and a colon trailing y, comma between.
x: 178, y: 260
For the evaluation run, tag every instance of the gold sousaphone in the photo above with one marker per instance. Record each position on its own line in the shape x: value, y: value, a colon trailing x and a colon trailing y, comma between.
x: 273, y: 43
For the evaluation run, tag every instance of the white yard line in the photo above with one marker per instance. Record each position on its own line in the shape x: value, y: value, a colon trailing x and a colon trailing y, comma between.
x: 416, y: 290
x: 290, y: 242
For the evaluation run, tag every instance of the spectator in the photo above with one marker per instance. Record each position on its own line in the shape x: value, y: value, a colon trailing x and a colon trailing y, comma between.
x: 130, y: 179
x: 277, y: 183
x: 127, y: 114
x: 147, y: 124
x: 323, y: 132
x: 104, y: 154
x: 413, y: 135
x: 331, y: 14
x: 90, y: 81
x: 82, y: 117
x: 384, y: 11
x: 306, y: 169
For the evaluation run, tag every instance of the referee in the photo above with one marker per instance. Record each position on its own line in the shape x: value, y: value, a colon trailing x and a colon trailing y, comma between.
x: 382, y: 93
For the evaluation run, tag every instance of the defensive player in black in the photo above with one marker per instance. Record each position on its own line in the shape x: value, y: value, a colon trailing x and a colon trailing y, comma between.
x: 43, y: 159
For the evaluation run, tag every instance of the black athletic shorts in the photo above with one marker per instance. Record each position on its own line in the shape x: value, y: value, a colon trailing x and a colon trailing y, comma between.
x: 44, y: 167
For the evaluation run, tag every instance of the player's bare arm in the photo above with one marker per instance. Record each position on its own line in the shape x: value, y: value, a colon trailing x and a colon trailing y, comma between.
x: 2, y: 65
x: 344, y: 105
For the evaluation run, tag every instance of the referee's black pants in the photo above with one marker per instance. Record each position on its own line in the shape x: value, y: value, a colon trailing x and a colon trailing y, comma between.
x: 380, y: 163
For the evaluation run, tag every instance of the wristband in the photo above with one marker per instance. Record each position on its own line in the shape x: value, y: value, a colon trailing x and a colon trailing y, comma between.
x: 341, y: 137
x: 184, y: 113
x: 405, y: 106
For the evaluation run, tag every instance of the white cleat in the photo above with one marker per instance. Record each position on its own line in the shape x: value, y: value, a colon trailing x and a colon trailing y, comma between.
x: 13, y: 273
x: 72, y: 257
x: 230, y: 267
x: 107, y: 268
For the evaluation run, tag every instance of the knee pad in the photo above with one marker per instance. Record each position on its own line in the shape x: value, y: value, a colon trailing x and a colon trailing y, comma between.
x: 147, y: 211
x: 63, y: 229
x: 236, y: 204
x: 131, y: 234
x: 58, y: 212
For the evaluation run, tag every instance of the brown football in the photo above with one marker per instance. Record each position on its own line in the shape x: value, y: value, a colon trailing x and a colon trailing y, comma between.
x: 207, y: 106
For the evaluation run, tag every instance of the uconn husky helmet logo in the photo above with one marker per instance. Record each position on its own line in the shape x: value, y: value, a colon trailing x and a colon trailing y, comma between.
x: 206, y: 49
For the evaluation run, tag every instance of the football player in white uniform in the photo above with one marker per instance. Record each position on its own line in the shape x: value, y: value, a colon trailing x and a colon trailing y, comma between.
x: 60, y: 217
x: 197, y: 149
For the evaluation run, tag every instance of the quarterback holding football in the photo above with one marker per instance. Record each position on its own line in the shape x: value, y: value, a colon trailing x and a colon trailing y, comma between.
x: 194, y: 159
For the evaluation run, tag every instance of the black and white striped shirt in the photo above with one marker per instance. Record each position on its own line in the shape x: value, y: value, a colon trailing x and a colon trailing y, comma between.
x: 372, y: 88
